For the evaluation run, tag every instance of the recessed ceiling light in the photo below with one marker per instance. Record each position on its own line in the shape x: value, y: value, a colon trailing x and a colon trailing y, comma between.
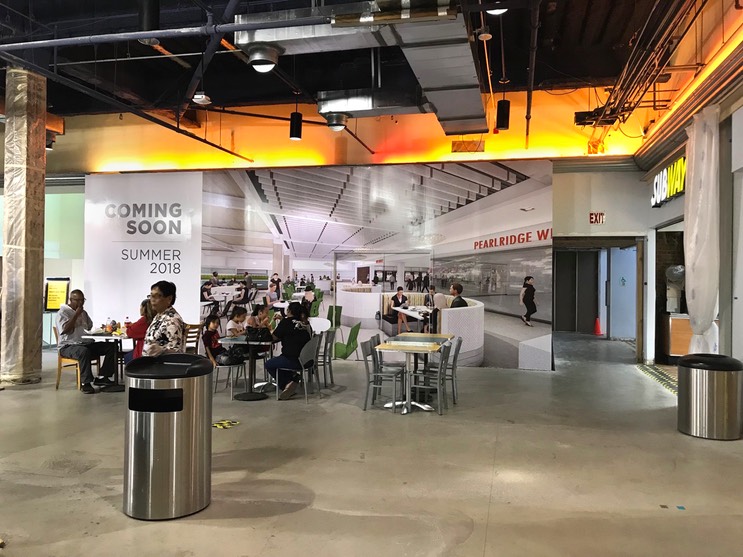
x: 527, y: 209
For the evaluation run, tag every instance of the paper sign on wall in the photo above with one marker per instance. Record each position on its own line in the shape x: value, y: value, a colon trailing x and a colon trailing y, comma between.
x: 140, y: 229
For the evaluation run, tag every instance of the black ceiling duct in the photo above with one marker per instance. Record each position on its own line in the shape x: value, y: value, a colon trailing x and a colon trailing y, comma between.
x: 149, y: 19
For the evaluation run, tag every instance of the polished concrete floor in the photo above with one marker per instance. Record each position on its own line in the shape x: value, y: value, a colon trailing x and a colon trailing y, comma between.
x: 584, y: 461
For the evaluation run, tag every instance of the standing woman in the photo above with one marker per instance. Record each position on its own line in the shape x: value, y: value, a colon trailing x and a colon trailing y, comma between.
x: 526, y: 297
x: 166, y: 333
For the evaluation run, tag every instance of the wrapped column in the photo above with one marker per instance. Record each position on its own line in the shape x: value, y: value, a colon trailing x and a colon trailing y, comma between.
x: 23, y: 226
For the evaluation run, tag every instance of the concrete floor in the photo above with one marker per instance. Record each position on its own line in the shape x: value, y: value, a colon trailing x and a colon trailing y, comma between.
x: 576, y: 462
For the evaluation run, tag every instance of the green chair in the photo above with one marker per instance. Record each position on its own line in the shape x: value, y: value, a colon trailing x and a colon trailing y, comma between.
x: 344, y: 350
x: 315, y: 309
x: 334, y: 316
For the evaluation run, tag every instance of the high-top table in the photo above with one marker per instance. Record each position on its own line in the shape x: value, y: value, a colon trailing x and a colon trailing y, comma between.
x: 249, y: 395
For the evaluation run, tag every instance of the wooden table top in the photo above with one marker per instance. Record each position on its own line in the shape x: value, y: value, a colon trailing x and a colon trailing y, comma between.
x: 409, y: 347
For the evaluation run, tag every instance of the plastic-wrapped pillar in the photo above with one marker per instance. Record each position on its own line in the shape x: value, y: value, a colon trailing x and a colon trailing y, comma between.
x: 23, y: 226
x: 702, y: 229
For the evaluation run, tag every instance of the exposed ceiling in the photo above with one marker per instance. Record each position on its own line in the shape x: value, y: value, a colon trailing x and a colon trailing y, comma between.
x: 397, y: 57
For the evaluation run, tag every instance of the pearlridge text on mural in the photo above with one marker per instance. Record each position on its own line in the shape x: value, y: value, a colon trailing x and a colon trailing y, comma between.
x: 512, y: 239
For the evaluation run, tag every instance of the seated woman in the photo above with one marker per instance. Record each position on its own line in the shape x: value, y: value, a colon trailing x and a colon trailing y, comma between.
x: 138, y: 329
x: 241, y: 298
x: 210, y: 336
x: 206, y: 296
x: 293, y: 332
x: 236, y: 324
x: 259, y: 318
x: 400, y: 300
x: 166, y: 333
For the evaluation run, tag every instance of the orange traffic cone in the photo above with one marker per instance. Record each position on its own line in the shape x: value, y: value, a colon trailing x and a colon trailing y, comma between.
x: 597, y: 328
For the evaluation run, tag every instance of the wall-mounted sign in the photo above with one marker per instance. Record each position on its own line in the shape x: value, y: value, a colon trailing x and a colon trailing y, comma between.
x: 669, y: 182
x: 56, y: 291
x: 597, y: 218
x: 140, y: 229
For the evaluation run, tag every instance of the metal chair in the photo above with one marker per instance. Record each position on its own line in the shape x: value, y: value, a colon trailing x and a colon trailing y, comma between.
x: 376, y: 340
x: 217, y: 367
x: 325, y: 359
x: 450, y: 373
x: 307, y: 359
x: 376, y: 376
x: 69, y: 362
x: 435, y: 381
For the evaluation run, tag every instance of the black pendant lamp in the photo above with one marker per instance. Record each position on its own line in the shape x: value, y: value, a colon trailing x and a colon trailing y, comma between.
x: 295, y: 126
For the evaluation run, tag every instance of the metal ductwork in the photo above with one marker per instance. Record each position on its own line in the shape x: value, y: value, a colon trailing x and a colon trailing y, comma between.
x: 432, y: 36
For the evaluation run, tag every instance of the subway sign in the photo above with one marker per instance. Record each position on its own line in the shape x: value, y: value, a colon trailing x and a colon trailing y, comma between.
x: 669, y: 182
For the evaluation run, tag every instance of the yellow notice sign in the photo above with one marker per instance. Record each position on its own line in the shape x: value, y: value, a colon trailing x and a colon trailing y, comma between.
x: 56, y: 292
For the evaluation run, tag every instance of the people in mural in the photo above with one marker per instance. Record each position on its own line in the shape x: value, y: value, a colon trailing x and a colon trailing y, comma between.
x: 527, y: 298
x: 207, y: 296
x: 456, y: 290
x: 400, y: 301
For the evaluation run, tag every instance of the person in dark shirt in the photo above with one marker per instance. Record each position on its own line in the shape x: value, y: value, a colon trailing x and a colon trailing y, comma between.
x: 293, y: 332
x: 527, y: 298
x: 456, y: 291
x: 206, y: 296
x: 211, y: 336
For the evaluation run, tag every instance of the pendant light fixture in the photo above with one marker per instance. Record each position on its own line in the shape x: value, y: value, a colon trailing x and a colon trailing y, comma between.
x: 295, y: 121
x: 503, y: 108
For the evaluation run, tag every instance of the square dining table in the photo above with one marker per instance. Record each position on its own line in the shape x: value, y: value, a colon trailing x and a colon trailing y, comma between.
x: 413, y: 344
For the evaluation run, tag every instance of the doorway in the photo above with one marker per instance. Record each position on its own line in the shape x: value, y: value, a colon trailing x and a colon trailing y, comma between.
x: 598, y: 288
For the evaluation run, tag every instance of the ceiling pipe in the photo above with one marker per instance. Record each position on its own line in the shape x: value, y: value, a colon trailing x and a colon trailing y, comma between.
x: 532, y: 63
x: 204, y: 30
x: 22, y: 63
x: 149, y: 19
x: 211, y: 48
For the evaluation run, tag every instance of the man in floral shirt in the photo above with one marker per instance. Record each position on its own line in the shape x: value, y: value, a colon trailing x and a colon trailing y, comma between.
x: 166, y: 333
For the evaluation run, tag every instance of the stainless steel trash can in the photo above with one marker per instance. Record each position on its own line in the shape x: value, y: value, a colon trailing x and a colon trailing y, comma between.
x: 710, y: 388
x: 168, y: 452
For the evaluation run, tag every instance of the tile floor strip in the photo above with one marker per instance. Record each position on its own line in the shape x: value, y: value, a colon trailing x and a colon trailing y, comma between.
x: 660, y: 376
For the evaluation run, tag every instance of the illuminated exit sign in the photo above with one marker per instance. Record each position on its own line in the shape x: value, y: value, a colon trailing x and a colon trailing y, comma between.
x: 597, y: 218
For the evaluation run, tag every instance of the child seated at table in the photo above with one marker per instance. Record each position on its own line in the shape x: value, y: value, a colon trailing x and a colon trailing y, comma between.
x: 211, y: 336
x: 259, y: 318
x: 236, y: 324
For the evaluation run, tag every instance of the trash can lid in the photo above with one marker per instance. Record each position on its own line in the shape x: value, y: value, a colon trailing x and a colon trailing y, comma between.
x: 168, y: 366
x: 712, y: 362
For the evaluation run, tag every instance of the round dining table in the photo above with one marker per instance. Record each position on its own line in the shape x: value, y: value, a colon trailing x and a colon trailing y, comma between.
x: 319, y: 324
